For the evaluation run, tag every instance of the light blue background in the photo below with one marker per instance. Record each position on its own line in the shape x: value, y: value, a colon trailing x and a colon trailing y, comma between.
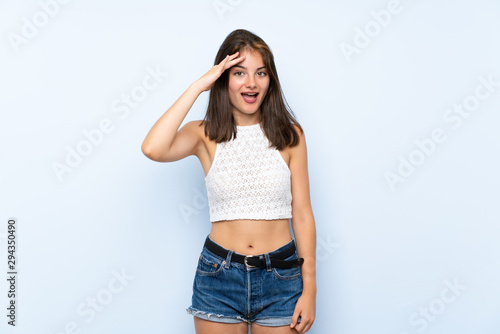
x: 384, y: 255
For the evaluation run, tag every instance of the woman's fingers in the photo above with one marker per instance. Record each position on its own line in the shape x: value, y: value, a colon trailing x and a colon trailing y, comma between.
x: 207, y: 80
x: 227, y: 58
x: 234, y: 55
x: 236, y: 61
x: 231, y: 60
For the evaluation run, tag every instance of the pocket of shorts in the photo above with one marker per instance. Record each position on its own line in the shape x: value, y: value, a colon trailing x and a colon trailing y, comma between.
x: 288, y: 273
x: 209, y: 265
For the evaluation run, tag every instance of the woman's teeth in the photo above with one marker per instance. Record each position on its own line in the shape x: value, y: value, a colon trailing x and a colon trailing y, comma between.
x: 249, y: 97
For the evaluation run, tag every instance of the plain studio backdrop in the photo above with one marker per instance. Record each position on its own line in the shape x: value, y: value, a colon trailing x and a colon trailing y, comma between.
x: 399, y: 101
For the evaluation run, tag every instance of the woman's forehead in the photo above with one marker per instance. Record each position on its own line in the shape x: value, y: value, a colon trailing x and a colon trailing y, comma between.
x: 253, y: 58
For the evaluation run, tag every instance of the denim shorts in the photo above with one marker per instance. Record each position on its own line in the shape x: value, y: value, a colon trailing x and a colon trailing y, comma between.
x: 230, y: 292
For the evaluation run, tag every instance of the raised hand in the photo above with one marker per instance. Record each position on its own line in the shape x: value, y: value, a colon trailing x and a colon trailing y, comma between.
x: 206, y: 81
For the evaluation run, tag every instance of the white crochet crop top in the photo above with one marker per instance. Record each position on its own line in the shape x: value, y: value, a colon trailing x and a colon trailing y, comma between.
x: 248, y: 179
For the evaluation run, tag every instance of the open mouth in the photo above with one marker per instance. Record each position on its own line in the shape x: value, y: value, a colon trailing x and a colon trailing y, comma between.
x: 249, y: 97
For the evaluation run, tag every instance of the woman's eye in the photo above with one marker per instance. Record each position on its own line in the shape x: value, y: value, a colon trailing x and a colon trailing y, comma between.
x: 238, y: 73
x: 261, y: 74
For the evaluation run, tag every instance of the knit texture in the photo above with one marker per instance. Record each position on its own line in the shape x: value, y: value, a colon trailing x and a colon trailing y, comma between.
x: 248, y: 179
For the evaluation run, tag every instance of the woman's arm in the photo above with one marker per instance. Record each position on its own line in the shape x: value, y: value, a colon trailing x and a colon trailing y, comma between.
x: 164, y: 142
x: 164, y: 136
x: 304, y: 230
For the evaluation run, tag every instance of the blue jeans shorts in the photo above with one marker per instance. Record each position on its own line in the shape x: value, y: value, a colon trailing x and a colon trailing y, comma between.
x: 230, y: 292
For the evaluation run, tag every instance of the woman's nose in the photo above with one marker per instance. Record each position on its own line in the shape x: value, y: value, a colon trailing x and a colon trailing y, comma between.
x: 250, y: 82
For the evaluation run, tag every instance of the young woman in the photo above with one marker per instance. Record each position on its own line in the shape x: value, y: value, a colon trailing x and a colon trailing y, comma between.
x: 253, y: 152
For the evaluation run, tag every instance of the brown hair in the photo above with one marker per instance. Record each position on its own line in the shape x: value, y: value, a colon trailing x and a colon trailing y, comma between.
x: 276, y: 116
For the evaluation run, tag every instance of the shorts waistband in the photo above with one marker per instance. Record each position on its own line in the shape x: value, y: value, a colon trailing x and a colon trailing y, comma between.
x: 266, y: 260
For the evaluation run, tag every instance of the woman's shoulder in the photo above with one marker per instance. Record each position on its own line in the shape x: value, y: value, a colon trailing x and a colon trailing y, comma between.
x: 195, y: 123
x: 193, y: 131
x: 300, y: 146
x: 196, y: 127
x: 299, y: 129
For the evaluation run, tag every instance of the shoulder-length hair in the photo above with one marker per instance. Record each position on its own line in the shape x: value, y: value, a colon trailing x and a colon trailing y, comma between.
x: 277, y: 118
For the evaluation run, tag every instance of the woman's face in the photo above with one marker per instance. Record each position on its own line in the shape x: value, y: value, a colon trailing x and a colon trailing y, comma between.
x: 248, y: 84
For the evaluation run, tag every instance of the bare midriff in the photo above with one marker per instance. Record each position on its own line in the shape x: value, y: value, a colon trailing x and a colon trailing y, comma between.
x: 251, y: 236
x: 245, y: 236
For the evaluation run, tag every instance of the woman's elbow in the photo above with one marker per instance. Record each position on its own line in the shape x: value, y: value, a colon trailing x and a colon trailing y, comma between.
x: 148, y: 151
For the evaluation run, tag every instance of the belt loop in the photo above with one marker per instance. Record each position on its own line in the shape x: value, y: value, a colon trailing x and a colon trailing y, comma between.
x: 268, y: 262
x: 228, y: 258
